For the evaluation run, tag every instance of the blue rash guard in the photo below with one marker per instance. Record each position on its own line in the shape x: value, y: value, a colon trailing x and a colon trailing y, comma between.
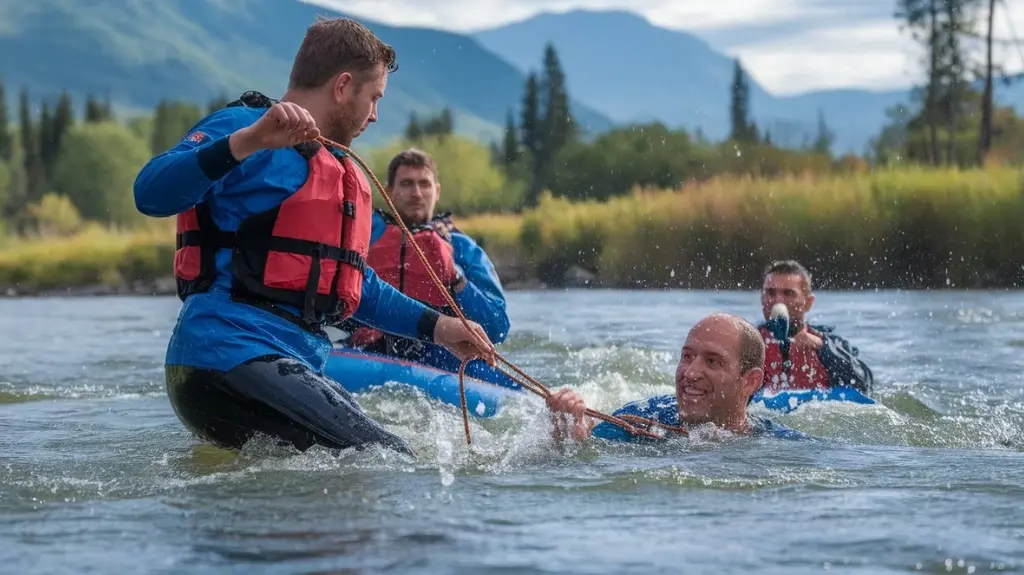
x: 665, y: 409
x: 214, y: 332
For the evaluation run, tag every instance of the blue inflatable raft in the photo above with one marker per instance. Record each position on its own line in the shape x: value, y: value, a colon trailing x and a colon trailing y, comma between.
x: 359, y: 371
x: 786, y: 401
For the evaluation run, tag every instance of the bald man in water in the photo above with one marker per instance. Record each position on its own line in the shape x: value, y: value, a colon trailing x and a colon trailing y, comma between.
x: 720, y: 367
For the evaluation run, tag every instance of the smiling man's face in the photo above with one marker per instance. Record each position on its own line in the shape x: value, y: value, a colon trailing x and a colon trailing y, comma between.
x: 710, y: 385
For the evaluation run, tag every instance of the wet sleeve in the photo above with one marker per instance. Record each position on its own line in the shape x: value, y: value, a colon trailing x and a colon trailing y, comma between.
x: 181, y: 177
x: 387, y: 309
x: 647, y: 408
x: 843, y: 364
x: 483, y: 299
x: 764, y: 426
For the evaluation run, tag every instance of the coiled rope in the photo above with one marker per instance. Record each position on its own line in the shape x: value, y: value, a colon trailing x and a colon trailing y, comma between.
x: 643, y: 426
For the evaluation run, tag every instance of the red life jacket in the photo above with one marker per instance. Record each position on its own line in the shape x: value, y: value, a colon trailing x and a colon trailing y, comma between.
x: 308, y: 252
x: 397, y: 263
x: 802, y: 370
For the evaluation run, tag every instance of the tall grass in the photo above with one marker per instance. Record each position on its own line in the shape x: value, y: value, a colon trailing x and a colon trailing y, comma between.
x: 94, y: 256
x: 909, y: 229
x: 912, y: 228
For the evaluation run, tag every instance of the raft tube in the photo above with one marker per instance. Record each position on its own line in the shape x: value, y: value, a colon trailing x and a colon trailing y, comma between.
x: 787, y: 401
x: 359, y: 371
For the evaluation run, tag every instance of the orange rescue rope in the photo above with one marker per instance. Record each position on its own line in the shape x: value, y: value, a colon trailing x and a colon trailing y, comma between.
x: 529, y: 383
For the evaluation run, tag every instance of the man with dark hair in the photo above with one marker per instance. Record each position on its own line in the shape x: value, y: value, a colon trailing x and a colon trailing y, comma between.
x: 273, y: 229
x: 720, y: 369
x: 801, y: 356
x: 459, y: 262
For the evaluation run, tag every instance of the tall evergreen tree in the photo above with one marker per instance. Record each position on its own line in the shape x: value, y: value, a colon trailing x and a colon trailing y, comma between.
x: 529, y: 125
x: 954, y: 68
x: 549, y: 111
x: 107, y: 108
x: 742, y: 128
x: 93, y: 110
x: 941, y: 27
x: 25, y: 127
x: 44, y: 133
x: 97, y: 110
x: 445, y: 122
x: 63, y: 119
x: 6, y: 138
x: 509, y: 153
x: 35, y: 180
x: 985, y: 134
x: 440, y: 125
x: 532, y: 136
x: 825, y: 137
x: 558, y: 123
x: 922, y: 18
x: 413, y: 130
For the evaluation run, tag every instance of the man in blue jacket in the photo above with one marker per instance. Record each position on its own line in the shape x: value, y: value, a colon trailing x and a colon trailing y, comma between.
x: 459, y: 262
x: 273, y: 228
x: 800, y: 356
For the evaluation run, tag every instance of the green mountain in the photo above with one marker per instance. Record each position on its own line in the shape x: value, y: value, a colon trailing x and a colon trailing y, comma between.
x: 137, y: 52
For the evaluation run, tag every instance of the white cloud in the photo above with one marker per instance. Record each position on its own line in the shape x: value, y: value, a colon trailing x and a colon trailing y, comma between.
x: 871, y: 55
x: 469, y: 15
x: 800, y: 45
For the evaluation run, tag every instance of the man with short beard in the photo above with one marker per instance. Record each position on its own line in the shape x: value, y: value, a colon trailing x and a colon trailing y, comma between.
x: 273, y: 229
x: 720, y: 368
x: 461, y: 264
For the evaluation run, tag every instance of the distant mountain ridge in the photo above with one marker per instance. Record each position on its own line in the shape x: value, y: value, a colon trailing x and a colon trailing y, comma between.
x: 139, y: 51
x: 619, y: 67
x: 631, y: 70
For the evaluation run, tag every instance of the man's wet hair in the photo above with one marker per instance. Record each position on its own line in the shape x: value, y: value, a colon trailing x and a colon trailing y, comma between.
x: 413, y: 158
x: 789, y: 267
x: 751, y: 344
x: 751, y: 347
x: 334, y: 45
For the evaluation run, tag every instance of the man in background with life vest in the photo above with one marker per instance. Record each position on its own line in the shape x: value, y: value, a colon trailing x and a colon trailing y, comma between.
x: 273, y: 234
x: 459, y: 262
x: 807, y: 357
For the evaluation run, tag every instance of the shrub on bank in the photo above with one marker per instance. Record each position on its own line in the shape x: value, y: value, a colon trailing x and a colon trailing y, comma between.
x: 908, y: 229
x: 94, y: 256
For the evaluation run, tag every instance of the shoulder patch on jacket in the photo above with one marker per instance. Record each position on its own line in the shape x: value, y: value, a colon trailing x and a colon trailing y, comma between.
x: 196, y: 137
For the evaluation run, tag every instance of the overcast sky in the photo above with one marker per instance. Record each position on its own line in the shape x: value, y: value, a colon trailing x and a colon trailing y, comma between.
x: 788, y: 45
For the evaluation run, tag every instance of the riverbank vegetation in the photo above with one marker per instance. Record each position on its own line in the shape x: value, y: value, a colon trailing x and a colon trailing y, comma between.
x: 909, y: 228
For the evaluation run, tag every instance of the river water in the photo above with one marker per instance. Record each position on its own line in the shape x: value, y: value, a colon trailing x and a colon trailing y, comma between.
x: 98, y: 476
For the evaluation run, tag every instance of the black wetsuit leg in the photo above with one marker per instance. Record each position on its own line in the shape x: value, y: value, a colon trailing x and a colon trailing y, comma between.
x: 277, y: 396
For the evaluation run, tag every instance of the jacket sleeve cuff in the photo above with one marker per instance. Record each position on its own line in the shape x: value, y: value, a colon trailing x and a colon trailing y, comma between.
x: 427, y: 323
x: 216, y: 160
